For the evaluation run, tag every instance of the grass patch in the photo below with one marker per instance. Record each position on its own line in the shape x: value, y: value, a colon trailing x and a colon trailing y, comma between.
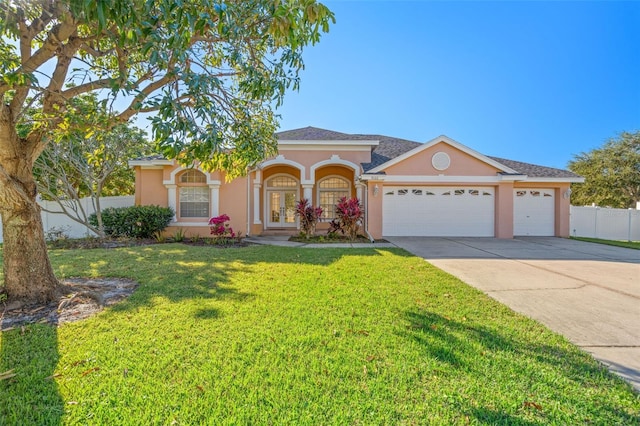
x: 276, y: 335
x: 627, y: 244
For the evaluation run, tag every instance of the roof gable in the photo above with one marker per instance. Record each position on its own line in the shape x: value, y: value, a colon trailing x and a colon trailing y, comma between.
x: 446, y: 140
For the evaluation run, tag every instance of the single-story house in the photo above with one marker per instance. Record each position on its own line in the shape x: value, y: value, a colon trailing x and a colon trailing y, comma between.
x: 437, y: 188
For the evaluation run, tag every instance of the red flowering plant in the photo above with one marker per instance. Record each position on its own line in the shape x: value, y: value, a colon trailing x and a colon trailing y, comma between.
x: 349, y: 216
x: 309, y: 217
x: 221, y: 230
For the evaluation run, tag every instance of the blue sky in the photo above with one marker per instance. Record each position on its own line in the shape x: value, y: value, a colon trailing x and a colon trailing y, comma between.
x: 531, y: 81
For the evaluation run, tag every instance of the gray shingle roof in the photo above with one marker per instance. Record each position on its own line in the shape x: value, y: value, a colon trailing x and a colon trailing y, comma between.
x: 314, y: 134
x: 390, y: 147
x: 533, y: 170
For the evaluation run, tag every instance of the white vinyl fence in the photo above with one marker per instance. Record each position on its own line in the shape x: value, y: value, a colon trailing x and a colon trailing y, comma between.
x: 608, y: 224
x: 71, y: 228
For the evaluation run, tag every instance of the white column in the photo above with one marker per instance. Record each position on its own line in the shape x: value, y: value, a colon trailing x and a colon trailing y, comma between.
x: 359, y: 188
x: 307, y: 192
x: 257, y: 185
x: 172, y: 197
x: 256, y: 203
x: 214, y: 187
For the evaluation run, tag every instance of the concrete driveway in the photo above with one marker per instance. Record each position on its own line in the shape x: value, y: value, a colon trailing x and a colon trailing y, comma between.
x: 590, y: 293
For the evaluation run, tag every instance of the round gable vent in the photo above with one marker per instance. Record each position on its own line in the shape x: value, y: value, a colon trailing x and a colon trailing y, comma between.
x: 441, y: 161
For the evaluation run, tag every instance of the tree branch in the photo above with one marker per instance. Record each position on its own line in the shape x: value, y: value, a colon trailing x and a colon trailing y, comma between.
x: 134, y: 105
x: 86, y: 87
x: 31, y: 62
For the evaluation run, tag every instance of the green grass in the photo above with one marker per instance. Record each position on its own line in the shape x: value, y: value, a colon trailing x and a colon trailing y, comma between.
x: 626, y: 244
x: 268, y: 335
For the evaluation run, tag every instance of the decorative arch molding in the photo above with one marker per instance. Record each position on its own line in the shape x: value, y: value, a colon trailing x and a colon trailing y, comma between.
x: 178, y: 170
x: 280, y: 160
x: 334, y: 160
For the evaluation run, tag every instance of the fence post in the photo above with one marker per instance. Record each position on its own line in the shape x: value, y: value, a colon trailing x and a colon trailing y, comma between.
x: 595, y: 224
x: 629, y: 225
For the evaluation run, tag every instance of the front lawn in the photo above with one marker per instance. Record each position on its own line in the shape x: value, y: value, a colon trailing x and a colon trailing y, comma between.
x: 272, y: 335
x: 626, y: 244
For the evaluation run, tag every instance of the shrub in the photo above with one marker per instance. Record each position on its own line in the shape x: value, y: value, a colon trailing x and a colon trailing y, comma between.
x: 135, y: 221
x: 57, y: 233
x: 309, y: 217
x: 221, y: 230
x: 180, y: 235
x: 348, y: 219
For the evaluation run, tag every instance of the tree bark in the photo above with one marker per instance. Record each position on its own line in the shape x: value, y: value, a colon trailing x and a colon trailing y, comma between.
x: 28, y: 275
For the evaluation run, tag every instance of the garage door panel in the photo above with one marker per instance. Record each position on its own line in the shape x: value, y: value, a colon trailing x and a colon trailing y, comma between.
x: 534, y: 212
x: 438, y: 211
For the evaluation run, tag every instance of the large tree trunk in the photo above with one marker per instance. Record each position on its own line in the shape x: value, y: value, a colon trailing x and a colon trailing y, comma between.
x: 28, y: 275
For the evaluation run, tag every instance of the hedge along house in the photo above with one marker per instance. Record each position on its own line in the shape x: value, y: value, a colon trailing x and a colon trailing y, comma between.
x: 437, y: 188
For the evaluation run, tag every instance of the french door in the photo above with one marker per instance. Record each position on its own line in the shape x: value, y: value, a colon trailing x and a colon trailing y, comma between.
x: 281, y: 208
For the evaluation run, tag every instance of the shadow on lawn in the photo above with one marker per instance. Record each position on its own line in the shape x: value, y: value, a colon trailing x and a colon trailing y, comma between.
x: 177, y: 272
x: 468, y: 348
x: 31, y: 396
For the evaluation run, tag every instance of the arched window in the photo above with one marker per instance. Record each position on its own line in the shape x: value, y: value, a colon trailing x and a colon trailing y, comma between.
x: 282, y: 181
x: 330, y: 190
x: 194, y: 195
x: 193, y: 176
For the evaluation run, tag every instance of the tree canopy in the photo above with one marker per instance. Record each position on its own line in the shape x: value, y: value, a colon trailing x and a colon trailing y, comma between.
x: 92, y: 162
x: 208, y: 73
x: 611, y: 172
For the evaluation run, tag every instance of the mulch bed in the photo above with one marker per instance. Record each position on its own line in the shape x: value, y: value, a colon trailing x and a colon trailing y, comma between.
x: 83, y: 298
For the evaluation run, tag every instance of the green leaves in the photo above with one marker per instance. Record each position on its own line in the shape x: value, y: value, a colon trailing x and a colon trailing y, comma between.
x: 207, y: 72
x: 612, y: 173
x: 85, y: 160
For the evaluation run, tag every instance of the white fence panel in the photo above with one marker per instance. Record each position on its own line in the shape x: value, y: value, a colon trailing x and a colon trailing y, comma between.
x: 634, y: 224
x: 609, y: 224
x: 73, y: 229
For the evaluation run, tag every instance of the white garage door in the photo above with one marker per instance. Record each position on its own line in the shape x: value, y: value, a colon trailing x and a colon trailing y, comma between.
x: 438, y: 211
x: 534, y: 212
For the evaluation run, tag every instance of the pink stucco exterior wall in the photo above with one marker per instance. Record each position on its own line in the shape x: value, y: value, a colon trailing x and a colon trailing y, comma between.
x: 237, y: 198
x: 374, y: 208
x: 462, y: 164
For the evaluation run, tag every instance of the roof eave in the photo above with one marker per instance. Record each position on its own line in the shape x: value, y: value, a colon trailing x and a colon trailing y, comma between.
x: 142, y: 163
x: 331, y: 142
x: 577, y: 179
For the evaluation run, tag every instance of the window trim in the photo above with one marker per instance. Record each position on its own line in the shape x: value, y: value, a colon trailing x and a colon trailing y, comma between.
x: 180, y: 185
x: 319, y: 190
